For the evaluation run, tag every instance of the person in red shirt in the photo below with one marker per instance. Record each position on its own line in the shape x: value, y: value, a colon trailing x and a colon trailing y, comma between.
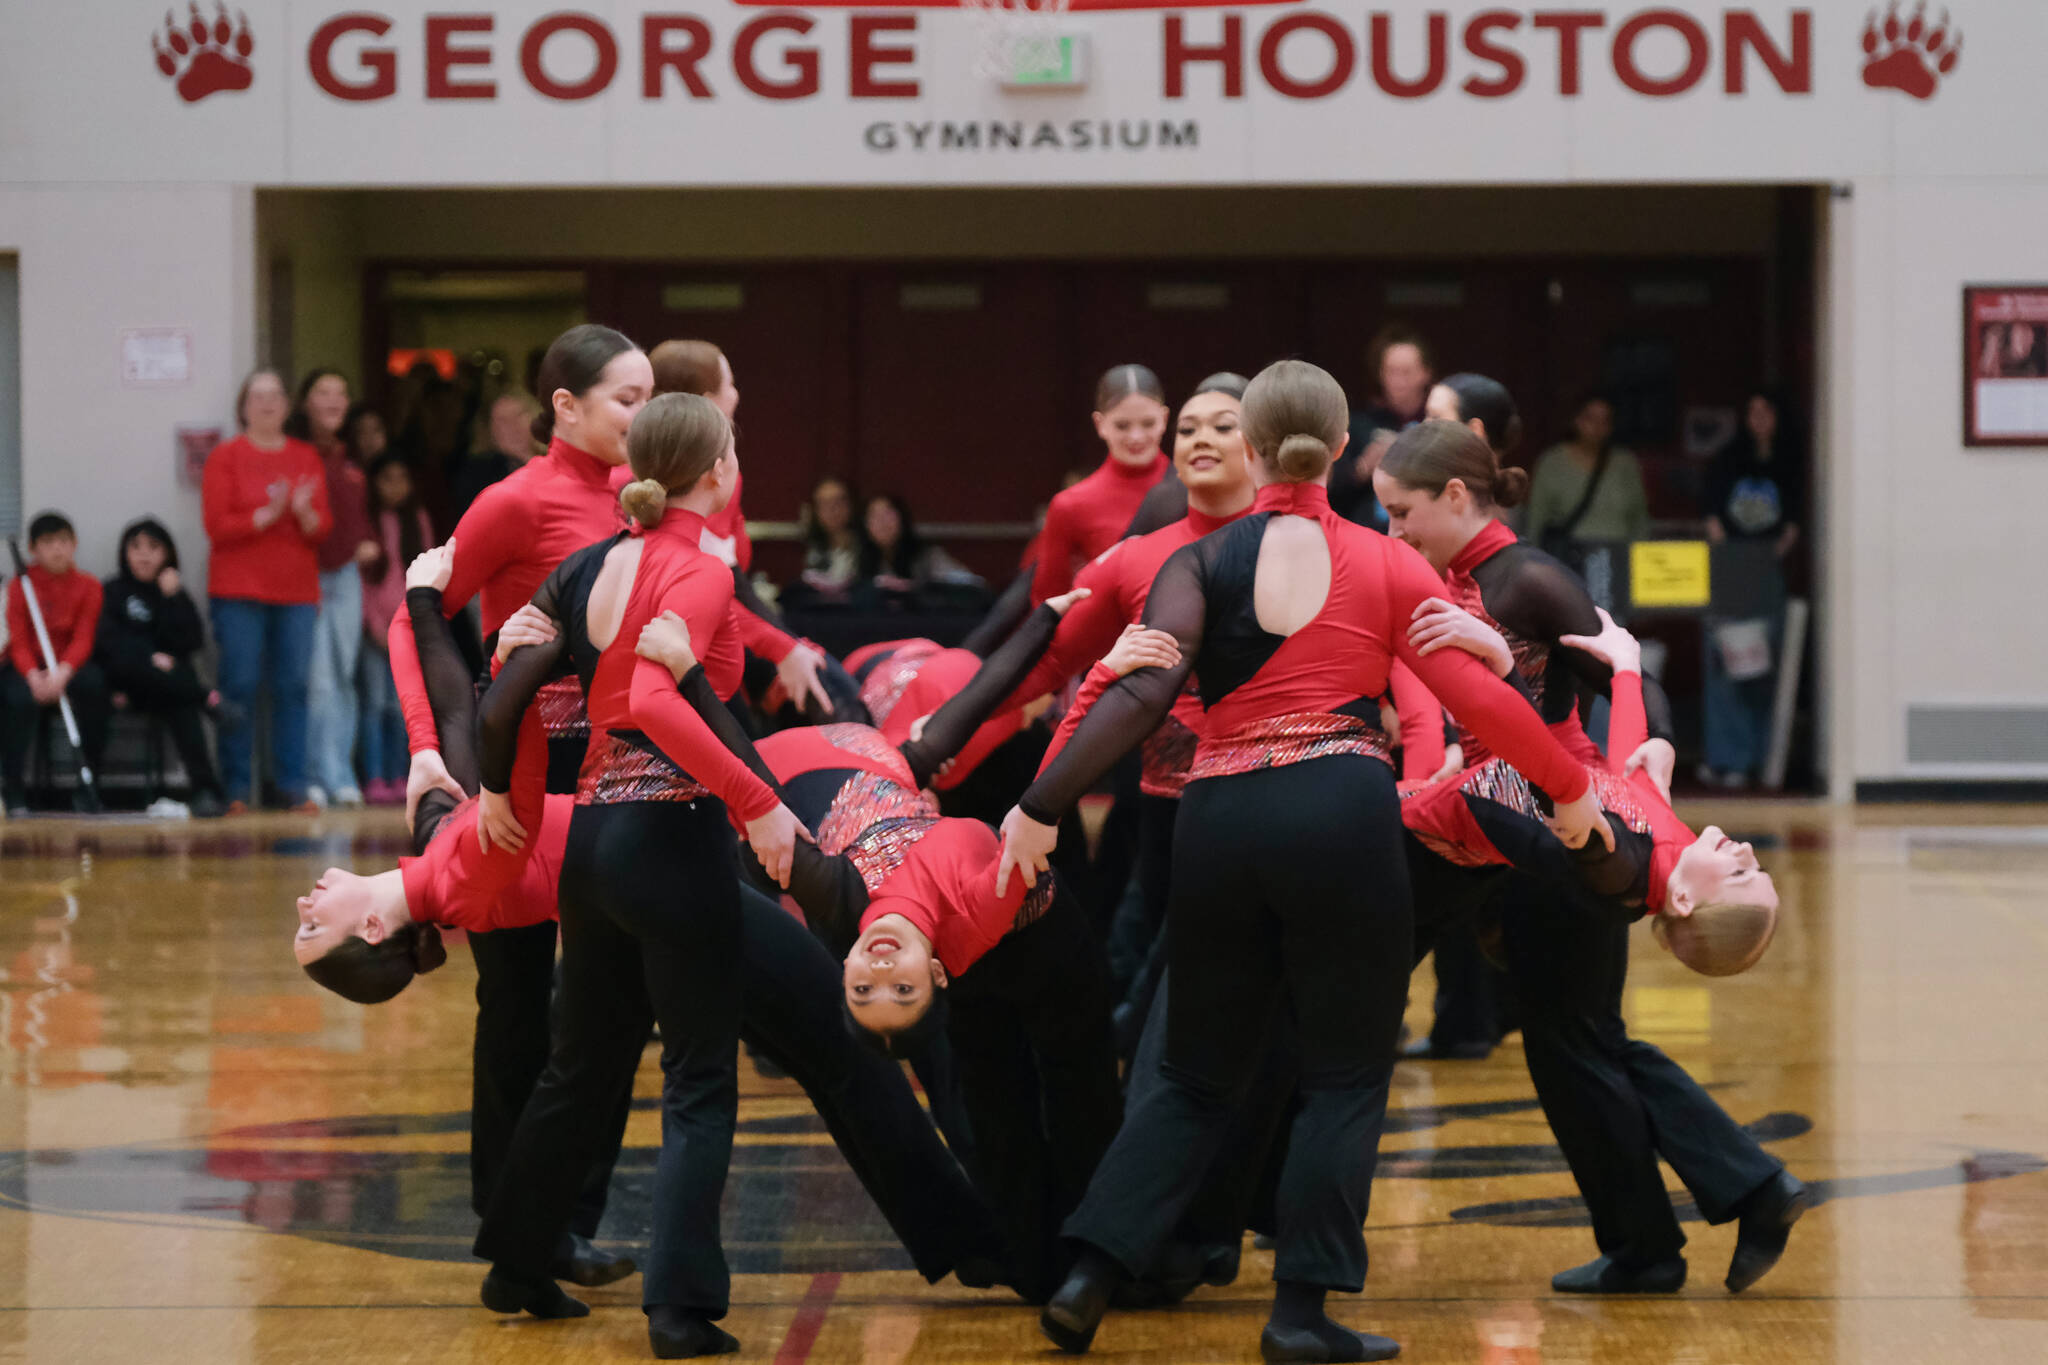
x: 264, y: 496
x: 649, y: 823
x: 1289, y: 886
x: 321, y: 406
x: 1086, y: 519
x: 70, y: 603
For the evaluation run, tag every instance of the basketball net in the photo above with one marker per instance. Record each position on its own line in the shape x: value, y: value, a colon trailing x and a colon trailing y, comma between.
x: 1018, y: 37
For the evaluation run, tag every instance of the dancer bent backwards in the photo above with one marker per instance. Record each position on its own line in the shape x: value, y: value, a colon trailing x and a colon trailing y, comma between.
x: 366, y: 937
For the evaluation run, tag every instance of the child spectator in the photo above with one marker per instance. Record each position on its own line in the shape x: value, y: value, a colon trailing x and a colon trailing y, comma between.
x: 265, y: 498
x: 70, y: 603
x: 149, y: 633
x: 402, y: 531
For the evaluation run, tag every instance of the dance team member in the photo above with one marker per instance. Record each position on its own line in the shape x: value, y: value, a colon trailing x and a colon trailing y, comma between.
x: 365, y: 937
x: 1610, y: 1099
x: 905, y: 894
x: 649, y: 822
x: 1288, y: 882
x: 1085, y: 520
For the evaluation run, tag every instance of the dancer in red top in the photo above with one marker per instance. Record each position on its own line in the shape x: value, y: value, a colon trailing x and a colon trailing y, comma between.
x: 650, y: 820
x: 1288, y: 881
x: 1085, y: 520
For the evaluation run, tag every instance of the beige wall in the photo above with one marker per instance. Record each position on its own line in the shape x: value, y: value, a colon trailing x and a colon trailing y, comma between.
x: 94, y: 260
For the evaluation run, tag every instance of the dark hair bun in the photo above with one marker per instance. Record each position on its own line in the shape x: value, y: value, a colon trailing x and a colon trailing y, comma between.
x: 428, y: 952
x: 1511, y: 486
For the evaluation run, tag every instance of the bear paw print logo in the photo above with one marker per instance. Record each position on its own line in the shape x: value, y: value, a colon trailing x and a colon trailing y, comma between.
x: 204, y: 58
x: 1910, y: 55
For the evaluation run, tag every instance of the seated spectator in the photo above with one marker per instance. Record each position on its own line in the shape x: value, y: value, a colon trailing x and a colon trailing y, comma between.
x: 896, y: 559
x: 833, y: 543
x: 403, y: 531
x: 70, y: 604
x: 265, y: 500
x: 512, y: 445
x: 1586, y: 488
x: 149, y: 635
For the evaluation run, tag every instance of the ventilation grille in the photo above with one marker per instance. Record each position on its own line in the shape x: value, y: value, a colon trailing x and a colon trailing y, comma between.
x: 2009, y: 735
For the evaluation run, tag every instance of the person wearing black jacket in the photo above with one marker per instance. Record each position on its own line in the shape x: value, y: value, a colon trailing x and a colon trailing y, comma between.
x: 149, y: 632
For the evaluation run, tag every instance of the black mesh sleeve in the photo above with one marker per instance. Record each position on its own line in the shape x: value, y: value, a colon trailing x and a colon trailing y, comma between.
x: 697, y: 690
x: 526, y: 671
x: 1546, y: 600
x: 1003, y: 617
x: 1616, y: 880
x: 1162, y: 507
x: 954, y: 724
x: 436, y: 806
x: 1133, y: 707
x: 451, y: 691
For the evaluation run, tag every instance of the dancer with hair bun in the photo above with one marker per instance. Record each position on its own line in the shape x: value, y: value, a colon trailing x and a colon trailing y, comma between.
x: 1289, y: 888
x: 648, y: 830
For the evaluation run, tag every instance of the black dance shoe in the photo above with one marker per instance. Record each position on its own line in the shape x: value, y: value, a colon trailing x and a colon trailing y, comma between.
x: 1326, y: 1341
x: 578, y: 1262
x: 1605, y: 1275
x: 1767, y: 1219
x: 676, y: 1333
x: 1073, y: 1313
x: 505, y: 1293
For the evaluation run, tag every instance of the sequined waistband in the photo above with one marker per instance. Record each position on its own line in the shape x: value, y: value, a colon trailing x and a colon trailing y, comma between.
x: 866, y: 800
x: 1168, y: 755
x: 886, y: 684
x: 621, y: 769
x: 1495, y: 781
x: 562, y: 714
x: 1278, y: 741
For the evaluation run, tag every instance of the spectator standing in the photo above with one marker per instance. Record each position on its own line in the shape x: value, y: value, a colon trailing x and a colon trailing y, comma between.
x: 512, y: 445
x: 317, y: 416
x: 1756, y: 492
x: 1398, y: 360
x: 149, y: 635
x: 833, y: 542
x: 70, y: 603
x: 403, y: 532
x: 265, y: 501
x: 896, y: 559
x: 1587, y: 488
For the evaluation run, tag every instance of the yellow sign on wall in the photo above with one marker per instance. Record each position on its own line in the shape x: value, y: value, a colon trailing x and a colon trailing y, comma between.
x: 1669, y: 573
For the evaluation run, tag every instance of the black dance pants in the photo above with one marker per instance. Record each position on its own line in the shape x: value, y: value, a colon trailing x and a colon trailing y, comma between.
x: 1030, y: 1035
x: 1614, y: 1102
x: 650, y: 932
x: 1290, y: 893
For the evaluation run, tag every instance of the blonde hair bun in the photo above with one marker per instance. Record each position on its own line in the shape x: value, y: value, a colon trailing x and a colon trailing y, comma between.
x: 1302, y: 457
x: 644, y: 500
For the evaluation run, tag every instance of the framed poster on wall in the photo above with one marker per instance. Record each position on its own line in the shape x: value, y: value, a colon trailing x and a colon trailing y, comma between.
x: 2005, y: 365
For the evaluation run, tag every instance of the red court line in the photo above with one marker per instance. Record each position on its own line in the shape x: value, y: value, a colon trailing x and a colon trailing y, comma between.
x: 809, y: 1320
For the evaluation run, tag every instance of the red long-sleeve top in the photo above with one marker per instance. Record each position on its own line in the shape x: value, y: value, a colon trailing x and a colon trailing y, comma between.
x: 1088, y: 518
x: 456, y: 883
x: 628, y: 692
x: 71, y: 611
x: 945, y: 885
x: 280, y: 565
x: 938, y: 678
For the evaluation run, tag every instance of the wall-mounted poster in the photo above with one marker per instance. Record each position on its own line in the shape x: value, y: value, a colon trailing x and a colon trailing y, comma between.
x: 2005, y: 365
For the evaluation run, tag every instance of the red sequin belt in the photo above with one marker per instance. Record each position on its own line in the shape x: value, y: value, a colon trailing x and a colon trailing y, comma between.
x: 561, y: 709
x: 1169, y: 756
x: 886, y: 684
x: 1495, y: 781
x: 865, y: 801
x: 621, y: 770
x: 1278, y: 741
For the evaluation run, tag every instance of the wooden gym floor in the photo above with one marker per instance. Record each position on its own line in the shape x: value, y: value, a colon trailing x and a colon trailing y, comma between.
x: 204, y: 1158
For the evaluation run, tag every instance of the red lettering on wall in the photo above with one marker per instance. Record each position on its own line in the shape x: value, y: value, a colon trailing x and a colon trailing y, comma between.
x: 1230, y: 52
x: 380, y: 62
x: 1383, y: 57
x: 1568, y: 25
x: 657, y: 57
x: 1685, y: 26
x: 802, y: 60
x: 1512, y: 68
x: 443, y: 56
x: 1743, y: 32
x: 865, y: 56
x: 1343, y: 56
x: 536, y: 41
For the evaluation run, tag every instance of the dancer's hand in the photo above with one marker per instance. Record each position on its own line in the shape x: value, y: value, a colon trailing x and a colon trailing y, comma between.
x: 1577, y: 821
x: 1454, y: 762
x: 1027, y: 847
x: 495, y: 824
x: 1142, y: 647
x: 773, y: 838
x: 666, y: 640
x: 1613, y: 646
x: 1657, y: 758
x: 1438, y: 624
x: 527, y: 626
x: 431, y: 568
x: 1067, y: 599
x: 802, y: 676
x: 428, y: 773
